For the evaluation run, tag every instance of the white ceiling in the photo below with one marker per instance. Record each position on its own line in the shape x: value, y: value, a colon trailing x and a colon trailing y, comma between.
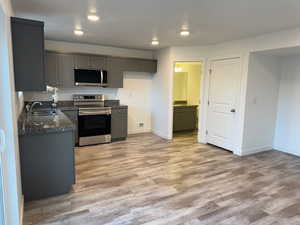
x: 133, y: 23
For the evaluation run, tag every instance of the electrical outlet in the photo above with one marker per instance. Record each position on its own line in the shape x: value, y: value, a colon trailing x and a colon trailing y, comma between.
x: 141, y: 124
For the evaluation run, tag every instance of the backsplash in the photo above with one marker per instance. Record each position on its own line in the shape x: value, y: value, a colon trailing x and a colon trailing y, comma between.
x: 67, y: 94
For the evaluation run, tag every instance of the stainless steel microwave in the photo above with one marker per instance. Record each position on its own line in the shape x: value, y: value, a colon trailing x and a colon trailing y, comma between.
x: 89, y: 77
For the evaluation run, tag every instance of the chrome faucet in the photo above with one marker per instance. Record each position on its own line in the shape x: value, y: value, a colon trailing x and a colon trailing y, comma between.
x: 30, y: 107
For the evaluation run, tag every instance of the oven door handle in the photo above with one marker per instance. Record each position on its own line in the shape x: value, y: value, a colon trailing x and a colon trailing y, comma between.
x: 99, y: 112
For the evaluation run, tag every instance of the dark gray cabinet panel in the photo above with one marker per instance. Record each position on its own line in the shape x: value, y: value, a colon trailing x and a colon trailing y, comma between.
x: 73, y: 116
x: 98, y: 62
x: 149, y: 66
x: 184, y: 118
x: 82, y: 61
x: 119, y: 123
x: 141, y: 65
x: 66, y: 70
x: 47, y: 164
x: 51, y: 69
x: 116, y: 67
x: 28, y: 54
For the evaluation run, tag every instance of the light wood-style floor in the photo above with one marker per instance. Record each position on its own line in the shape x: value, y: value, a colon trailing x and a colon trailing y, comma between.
x: 148, y: 180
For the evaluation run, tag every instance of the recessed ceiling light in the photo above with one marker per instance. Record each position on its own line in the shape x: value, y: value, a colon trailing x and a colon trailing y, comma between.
x: 93, y: 18
x: 184, y: 33
x: 155, y: 42
x: 78, y: 32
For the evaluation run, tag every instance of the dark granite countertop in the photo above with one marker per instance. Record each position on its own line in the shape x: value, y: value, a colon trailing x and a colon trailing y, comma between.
x: 33, y: 125
x: 69, y: 105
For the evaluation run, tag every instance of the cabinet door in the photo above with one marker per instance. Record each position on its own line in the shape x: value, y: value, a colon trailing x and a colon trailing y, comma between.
x: 119, y: 124
x: 98, y: 62
x: 51, y: 69
x: 82, y: 61
x: 124, y: 117
x: 115, y: 67
x: 28, y: 54
x: 66, y: 70
x: 148, y: 66
x: 141, y: 65
x: 73, y: 116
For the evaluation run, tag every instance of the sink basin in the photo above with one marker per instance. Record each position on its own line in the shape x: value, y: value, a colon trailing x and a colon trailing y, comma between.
x: 45, y: 112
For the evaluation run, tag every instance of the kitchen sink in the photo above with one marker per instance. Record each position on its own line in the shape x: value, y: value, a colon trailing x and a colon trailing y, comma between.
x: 44, y: 112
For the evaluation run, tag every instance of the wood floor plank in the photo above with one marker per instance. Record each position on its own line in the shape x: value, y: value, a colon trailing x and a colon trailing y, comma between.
x: 151, y: 181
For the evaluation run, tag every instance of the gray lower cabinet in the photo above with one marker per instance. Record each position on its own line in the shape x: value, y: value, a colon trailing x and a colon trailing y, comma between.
x: 47, y: 164
x: 184, y: 118
x: 73, y: 116
x: 119, y: 123
x: 28, y: 54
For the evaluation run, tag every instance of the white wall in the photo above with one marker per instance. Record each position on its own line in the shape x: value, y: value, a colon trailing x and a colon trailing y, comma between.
x: 261, y: 103
x: 137, y: 95
x: 288, y: 120
x: 239, y: 48
x: 162, y: 96
x: 10, y: 163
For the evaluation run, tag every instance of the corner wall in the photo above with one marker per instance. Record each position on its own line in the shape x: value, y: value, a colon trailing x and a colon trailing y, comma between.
x: 261, y: 103
x: 162, y: 96
x: 288, y: 110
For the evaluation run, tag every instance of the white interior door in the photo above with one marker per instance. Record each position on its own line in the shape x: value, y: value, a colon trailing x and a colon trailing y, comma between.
x: 223, y: 104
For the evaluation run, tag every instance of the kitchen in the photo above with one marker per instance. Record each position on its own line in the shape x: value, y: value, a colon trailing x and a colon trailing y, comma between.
x: 104, y: 123
x: 86, y: 119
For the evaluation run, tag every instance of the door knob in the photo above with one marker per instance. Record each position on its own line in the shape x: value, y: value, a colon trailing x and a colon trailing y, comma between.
x: 232, y: 110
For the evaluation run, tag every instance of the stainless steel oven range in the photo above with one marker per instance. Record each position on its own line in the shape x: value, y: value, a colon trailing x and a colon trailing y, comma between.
x: 94, y: 120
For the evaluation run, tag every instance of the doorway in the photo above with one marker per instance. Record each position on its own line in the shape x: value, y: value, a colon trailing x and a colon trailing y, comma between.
x: 187, y: 78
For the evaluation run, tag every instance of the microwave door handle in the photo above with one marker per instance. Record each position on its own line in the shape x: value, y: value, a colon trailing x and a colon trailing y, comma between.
x: 101, y: 72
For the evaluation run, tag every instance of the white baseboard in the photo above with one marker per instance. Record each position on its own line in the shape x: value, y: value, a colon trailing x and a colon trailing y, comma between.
x: 254, y: 150
x: 289, y: 151
x: 21, y: 213
x: 161, y: 134
x: 139, y: 131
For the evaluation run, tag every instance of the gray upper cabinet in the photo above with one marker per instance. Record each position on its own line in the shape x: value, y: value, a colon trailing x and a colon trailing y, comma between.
x: 98, y: 62
x: 81, y: 61
x: 60, y: 67
x: 51, y: 69
x: 141, y: 65
x: 66, y: 70
x: 59, y: 70
x: 119, y: 120
x: 116, y: 67
x: 148, y: 66
x: 28, y: 54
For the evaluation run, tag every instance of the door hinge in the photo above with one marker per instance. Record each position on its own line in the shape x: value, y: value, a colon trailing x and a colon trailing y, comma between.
x: 206, y: 132
x: 210, y: 71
